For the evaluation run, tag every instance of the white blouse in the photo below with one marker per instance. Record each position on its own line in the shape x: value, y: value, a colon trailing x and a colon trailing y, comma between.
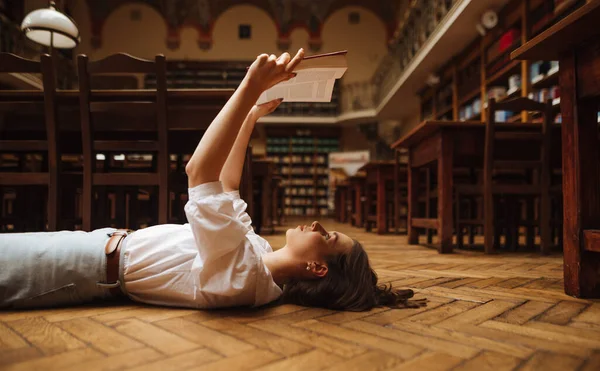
x: 214, y: 261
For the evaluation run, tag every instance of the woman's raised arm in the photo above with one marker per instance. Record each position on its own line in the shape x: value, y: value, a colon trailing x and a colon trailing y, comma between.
x: 214, y: 147
x: 231, y: 173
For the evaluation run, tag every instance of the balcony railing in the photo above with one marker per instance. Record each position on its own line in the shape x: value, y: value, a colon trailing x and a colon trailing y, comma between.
x: 420, y: 21
x: 357, y: 96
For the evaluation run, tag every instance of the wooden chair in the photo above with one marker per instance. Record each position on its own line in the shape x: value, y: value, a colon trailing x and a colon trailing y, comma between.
x: 92, y: 144
x: 15, y: 101
x: 496, y: 186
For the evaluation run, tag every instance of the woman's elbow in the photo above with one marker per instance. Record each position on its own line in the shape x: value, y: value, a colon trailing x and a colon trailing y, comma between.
x: 190, y: 169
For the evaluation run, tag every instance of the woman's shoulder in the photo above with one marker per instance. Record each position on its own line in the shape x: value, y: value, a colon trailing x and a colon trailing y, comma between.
x: 259, y: 243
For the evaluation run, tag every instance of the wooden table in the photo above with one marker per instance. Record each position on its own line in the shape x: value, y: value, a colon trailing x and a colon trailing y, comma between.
x: 379, y: 173
x: 450, y: 145
x: 575, y: 43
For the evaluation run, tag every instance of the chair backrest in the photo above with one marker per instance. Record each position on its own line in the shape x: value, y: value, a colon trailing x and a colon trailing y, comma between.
x: 120, y: 63
x: 11, y: 63
x: 517, y: 105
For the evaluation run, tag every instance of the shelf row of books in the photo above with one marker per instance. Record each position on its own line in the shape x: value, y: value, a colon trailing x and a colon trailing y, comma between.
x: 306, y: 211
x: 301, y: 149
x: 302, y: 160
x: 303, y: 141
x: 304, y: 170
x: 307, y: 182
x: 291, y: 201
x: 303, y: 163
x: 303, y: 191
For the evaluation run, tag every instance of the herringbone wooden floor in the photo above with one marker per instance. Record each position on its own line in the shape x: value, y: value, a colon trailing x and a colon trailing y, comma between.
x: 500, y: 312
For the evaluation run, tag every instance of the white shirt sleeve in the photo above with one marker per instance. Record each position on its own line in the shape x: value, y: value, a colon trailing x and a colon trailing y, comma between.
x: 217, y: 223
x: 240, y: 206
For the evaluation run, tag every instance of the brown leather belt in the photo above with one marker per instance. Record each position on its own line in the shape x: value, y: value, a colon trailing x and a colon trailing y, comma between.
x: 113, y: 254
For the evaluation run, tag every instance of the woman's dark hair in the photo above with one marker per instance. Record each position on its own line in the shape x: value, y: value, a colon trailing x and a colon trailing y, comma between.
x: 350, y: 284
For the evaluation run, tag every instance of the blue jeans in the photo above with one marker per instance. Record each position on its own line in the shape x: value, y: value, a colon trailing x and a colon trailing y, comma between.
x: 52, y: 268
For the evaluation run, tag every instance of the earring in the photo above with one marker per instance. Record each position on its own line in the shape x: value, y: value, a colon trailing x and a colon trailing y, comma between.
x: 307, y: 266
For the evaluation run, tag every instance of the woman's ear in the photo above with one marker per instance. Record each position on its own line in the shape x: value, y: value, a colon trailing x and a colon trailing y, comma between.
x: 318, y: 270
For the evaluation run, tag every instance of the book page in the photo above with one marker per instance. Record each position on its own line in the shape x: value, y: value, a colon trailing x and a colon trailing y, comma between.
x: 311, y: 85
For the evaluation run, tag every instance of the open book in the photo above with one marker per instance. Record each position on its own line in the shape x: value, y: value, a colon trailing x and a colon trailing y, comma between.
x: 315, y: 77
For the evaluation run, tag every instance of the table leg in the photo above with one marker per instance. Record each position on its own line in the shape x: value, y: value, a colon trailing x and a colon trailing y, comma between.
x: 368, y: 203
x: 396, y: 192
x: 428, y: 203
x: 581, y: 181
x: 381, y: 203
x: 343, y: 206
x: 358, y: 205
x: 445, y: 164
x: 413, y: 200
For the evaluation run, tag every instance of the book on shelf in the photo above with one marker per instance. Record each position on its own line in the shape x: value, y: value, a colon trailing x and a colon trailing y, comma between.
x: 314, y: 80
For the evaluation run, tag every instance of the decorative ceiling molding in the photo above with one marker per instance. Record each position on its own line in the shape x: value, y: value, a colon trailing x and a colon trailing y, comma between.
x: 202, y: 14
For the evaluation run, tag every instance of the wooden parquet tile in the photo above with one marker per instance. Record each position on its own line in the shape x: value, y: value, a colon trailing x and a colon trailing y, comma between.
x: 485, y: 312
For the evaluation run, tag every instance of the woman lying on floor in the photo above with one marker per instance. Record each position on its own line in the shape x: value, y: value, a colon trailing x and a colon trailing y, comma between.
x: 214, y: 261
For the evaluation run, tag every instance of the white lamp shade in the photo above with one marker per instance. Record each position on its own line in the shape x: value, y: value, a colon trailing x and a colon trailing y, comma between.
x: 40, y: 24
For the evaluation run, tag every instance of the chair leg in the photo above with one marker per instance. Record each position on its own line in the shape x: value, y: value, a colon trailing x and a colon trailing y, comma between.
x: 53, y: 205
x: 428, y: 212
x: 489, y: 234
x: 459, y: 229
x: 559, y: 221
x: 134, y: 208
x: 120, y: 209
x: 472, y: 214
x: 545, y: 222
x: 530, y: 217
x: 514, y: 224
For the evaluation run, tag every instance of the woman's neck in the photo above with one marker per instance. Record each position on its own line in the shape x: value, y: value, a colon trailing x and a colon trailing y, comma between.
x: 283, y: 266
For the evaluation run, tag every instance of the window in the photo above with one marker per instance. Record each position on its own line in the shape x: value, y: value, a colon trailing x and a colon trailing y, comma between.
x: 245, y: 31
x: 353, y: 18
x: 135, y: 15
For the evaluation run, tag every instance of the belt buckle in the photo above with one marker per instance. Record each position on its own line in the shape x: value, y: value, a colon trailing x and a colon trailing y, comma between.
x: 112, y: 246
x: 118, y: 233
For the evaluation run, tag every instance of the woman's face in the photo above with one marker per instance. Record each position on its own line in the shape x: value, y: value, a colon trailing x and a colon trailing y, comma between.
x: 315, y: 242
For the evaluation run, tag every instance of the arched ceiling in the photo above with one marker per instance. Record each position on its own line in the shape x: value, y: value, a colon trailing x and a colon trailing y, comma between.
x: 287, y: 14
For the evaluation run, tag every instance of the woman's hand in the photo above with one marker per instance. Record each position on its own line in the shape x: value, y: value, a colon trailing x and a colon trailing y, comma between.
x: 268, y: 70
x: 264, y: 109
